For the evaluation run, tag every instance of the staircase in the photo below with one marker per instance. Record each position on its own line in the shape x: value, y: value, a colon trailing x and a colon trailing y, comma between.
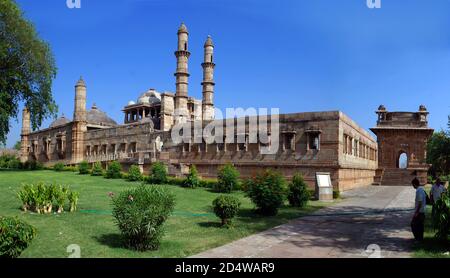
x: 396, y: 177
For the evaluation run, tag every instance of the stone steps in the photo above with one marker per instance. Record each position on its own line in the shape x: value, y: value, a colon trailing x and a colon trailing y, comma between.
x: 396, y: 177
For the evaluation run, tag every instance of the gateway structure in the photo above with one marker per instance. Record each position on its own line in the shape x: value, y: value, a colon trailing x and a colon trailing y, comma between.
x: 308, y: 142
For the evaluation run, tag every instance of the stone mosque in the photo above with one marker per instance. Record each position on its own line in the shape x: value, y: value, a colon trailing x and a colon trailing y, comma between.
x: 310, y: 142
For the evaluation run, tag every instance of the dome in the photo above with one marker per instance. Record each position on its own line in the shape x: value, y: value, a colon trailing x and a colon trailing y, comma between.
x: 131, y: 102
x: 422, y: 108
x: 381, y: 108
x: 149, y: 97
x: 97, y: 117
x: 182, y: 29
x: 59, y: 122
x: 209, y: 42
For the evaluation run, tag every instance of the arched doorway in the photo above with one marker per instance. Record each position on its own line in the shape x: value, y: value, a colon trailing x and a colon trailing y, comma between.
x: 402, y: 162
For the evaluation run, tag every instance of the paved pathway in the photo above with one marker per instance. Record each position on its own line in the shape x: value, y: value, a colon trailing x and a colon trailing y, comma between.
x: 372, y: 215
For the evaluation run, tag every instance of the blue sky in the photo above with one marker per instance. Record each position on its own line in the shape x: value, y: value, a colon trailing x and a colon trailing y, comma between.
x: 296, y: 55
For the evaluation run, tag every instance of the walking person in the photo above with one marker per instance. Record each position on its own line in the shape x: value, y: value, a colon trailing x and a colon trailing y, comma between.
x: 437, y: 190
x: 418, y: 220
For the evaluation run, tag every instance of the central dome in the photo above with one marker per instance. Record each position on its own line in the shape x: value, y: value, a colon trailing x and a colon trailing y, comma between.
x: 149, y: 97
x: 97, y: 117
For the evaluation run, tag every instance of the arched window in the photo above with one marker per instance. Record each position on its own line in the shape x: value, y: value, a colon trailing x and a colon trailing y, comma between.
x: 403, y: 161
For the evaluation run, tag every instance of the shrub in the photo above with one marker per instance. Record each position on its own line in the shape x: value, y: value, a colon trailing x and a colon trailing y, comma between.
x: 15, y: 237
x: 9, y: 162
x: 175, y: 181
x: 83, y: 168
x: 336, y: 194
x: 441, y: 218
x: 73, y: 196
x: 267, y: 192
x: 158, y: 173
x: 208, y: 183
x: 71, y: 168
x: 140, y: 214
x: 114, y: 170
x: 226, y: 207
x: 58, y: 167
x: 40, y: 198
x: 228, y: 179
x: 134, y: 173
x: 97, y: 169
x: 298, y: 194
x: 192, y: 180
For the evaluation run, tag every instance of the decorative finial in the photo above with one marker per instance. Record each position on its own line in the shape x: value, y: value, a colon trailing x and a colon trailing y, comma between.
x: 94, y: 106
x: 183, y: 28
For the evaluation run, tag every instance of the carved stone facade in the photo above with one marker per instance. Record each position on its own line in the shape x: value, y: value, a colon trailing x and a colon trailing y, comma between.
x: 402, y: 134
x: 308, y: 142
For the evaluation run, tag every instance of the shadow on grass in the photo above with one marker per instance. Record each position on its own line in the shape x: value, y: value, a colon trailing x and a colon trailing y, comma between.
x: 210, y: 224
x: 111, y: 240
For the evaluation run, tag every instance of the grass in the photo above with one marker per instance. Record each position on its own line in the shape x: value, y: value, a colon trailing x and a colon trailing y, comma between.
x: 192, y: 228
x: 431, y: 247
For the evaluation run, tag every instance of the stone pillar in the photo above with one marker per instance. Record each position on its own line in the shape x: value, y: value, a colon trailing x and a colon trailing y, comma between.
x: 26, y: 130
x: 182, y: 76
x: 208, y: 81
x: 79, y: 126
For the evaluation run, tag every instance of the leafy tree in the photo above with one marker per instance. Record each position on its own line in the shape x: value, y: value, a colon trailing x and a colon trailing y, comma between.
x: 228, y: 179
x: 17, y: 146
x: 27, y: 69
x: 438, y: 153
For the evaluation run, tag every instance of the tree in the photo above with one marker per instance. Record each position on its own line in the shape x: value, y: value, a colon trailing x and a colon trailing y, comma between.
x: 17, y: 146
x: 438, y: 153
x: 27, y: 69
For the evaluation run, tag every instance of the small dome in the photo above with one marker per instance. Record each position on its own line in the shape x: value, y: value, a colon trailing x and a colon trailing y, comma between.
x: 131, y: 102
x: 209, y: 42
x: 59, y: 122
x: 81, y: 82
x: 381, y: 108
x: 97, y: 117
x: 422, y: 108
x: 149, y: 97
x: 182, y: 29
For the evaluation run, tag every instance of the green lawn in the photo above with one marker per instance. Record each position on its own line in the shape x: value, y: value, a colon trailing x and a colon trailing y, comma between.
x: 191, y: 229
x: 431, y: 247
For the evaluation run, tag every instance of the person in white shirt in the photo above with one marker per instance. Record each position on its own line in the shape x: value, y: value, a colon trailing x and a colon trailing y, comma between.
x: 418, y: 220
x: 436, y: 193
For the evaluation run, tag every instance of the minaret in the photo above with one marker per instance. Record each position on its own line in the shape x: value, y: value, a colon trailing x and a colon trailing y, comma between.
x: 79, y: 112
x: 26, y: 130
x: 208, y: 81
x: 79, y: 122
x: 182, y: 75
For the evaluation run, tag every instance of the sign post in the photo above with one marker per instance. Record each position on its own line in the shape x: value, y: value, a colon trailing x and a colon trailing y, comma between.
x: 324, y: 188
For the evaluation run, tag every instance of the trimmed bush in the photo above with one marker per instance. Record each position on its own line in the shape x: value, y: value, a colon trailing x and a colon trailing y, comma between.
x: 58, y: 167
x: 158, y: 173
x: 15, y: 237
x: 134, y: 173
x: 97, y: 169
x: 83, y: 168
x: 267, y: 191
x: 336, y: 194
x: 226, y: 207
x: 208, y: 183
x: 140, y: 214
x: 192, y: 180
x: 114, y: 170
x: 228, y: 179
x: 175, y: 181
x: 10, y: 162
x: 298, y: 193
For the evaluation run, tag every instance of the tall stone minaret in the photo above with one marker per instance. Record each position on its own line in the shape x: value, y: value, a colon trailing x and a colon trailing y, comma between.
x: 182, y: 75
x: 79, y: 126
x: 208, y: 81
x: 26, y: 130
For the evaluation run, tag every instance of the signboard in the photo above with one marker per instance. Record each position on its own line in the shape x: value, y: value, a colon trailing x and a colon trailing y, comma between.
x: 324, y: 188
x: 323, y: 179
